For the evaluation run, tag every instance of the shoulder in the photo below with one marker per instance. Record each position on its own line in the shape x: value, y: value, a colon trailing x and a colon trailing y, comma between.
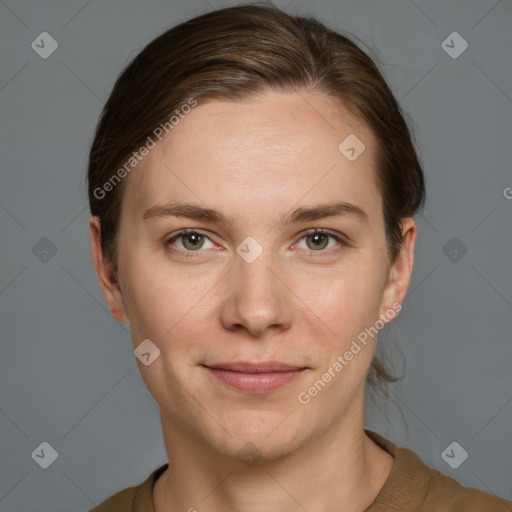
x: 452, y: 496
x: 122, y: 501
x: 138, y: 498
x: 413, y: 486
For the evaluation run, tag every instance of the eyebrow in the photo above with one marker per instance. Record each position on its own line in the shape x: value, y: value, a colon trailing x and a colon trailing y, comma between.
x: 302, y: 214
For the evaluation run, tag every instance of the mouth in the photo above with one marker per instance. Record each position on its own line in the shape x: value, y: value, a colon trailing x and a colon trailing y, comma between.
x: 255, y: 378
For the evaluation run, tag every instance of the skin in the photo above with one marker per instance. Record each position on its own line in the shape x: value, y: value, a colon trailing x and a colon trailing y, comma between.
x: 256, y: 162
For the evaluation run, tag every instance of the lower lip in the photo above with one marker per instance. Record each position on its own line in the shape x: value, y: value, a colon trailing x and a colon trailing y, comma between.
x: 255, y: 382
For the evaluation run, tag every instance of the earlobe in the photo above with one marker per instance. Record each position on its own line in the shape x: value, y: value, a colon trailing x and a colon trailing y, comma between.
x: 107, y: 278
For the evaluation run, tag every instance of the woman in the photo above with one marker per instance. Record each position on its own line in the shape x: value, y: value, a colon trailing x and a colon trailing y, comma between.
x: 252, y: 183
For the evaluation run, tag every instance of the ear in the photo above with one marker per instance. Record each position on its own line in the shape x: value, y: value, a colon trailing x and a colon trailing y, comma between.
x: 108, y: 281
x: 399, y: 275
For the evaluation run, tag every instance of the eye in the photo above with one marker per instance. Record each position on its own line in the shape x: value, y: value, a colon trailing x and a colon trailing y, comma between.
x: 317, y: 240
x: 189, y: 241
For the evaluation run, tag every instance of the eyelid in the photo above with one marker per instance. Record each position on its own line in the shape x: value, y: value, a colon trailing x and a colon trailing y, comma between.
x: 186, y: 231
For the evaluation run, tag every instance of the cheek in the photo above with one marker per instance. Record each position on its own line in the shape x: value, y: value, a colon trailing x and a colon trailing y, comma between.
x: 346, y: 301
x: 150, y: 300
x: 167, y: 310
x: 160, y: 304
x: 349, y: 306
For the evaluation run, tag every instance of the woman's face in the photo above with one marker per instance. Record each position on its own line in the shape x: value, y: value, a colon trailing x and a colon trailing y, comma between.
x: 253, y: 285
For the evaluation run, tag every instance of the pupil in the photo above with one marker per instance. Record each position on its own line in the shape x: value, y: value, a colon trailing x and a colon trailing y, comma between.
x: 318, y: 240
x: 193, y: 240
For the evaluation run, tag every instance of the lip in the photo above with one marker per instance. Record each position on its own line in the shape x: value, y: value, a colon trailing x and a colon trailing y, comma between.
x: 256, y: 378
x: 249, y: 367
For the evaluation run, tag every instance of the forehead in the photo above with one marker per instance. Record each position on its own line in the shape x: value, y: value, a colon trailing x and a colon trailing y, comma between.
x: 278, y: 147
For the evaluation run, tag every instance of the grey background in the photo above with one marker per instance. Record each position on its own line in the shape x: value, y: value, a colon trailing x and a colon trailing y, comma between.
x: 67, y: 371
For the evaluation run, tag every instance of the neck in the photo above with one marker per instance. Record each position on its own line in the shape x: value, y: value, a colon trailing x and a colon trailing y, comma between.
x: 341, y: 466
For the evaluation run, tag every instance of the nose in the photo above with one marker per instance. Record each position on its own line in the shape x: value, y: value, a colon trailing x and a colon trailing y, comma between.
x: 257, y: 301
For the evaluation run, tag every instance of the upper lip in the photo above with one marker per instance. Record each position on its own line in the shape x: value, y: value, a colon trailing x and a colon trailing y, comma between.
x: 248, y: 367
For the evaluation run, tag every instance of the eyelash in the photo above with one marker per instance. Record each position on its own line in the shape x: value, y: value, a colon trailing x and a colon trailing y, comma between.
x: 193, y: 254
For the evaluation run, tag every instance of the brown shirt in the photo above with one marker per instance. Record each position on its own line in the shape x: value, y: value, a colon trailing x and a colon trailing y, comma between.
x: 411, y: 486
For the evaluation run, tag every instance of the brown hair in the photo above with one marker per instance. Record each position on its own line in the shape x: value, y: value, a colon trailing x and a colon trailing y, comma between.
x: 235, y: 53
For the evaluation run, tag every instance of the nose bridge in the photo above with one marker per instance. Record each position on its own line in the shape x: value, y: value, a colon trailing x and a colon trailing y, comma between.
x: 256, y: 300
x: 256, y: 277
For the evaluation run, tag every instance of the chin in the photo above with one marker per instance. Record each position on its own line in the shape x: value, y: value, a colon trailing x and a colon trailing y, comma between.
x: 269, y: 434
